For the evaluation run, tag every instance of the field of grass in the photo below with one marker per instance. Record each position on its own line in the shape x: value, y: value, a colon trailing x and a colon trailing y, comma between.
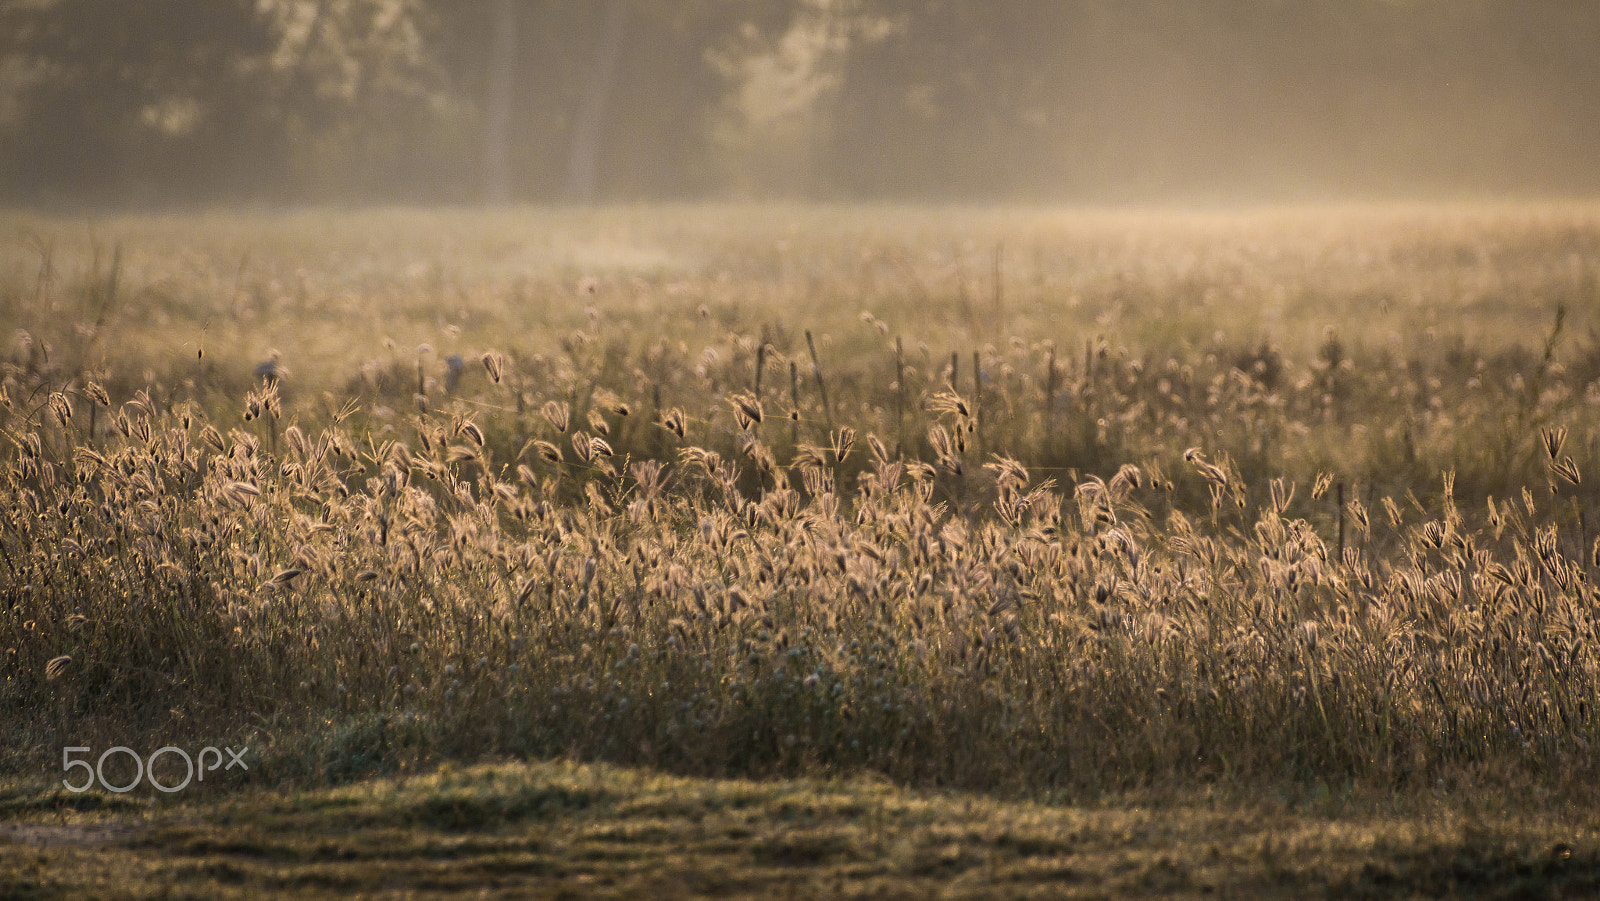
x: 556, y: 828
x: 1292, y: 509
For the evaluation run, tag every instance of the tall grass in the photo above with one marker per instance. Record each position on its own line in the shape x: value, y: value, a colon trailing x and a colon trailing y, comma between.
x: 1105, y: 566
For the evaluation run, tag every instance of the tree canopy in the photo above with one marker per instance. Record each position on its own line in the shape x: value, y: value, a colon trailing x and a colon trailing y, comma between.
x: 196, y: 101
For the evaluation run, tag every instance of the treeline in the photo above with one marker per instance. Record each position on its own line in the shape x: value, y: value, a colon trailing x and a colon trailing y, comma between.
x: 183, y: 101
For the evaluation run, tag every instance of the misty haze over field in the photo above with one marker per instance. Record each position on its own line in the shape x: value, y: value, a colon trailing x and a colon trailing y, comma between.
x: 113, y: 103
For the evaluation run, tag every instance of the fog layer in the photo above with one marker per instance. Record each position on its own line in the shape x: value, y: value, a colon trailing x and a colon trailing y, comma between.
x: 175, y: 102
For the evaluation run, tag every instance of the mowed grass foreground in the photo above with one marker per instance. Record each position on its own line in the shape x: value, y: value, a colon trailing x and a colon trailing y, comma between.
x: 560, y: 829
x: 1044, y: 506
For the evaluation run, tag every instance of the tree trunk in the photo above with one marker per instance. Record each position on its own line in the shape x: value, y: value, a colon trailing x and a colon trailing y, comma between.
x: 497, y: 105
x: 584, y: 153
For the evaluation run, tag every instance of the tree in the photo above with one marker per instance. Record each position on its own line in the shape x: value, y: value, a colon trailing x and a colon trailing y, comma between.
x: 583, y: 158
x: 498, y: 103
x: 173, y: 100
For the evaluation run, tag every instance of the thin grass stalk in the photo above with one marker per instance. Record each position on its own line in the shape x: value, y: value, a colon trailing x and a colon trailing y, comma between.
x: 977, y: 400
x: 900, y: 394
x: 794, y: 398
x: 1050, y: 393
x: 999, y: 291
x: 1339, y: 512
x: 822, y: 386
